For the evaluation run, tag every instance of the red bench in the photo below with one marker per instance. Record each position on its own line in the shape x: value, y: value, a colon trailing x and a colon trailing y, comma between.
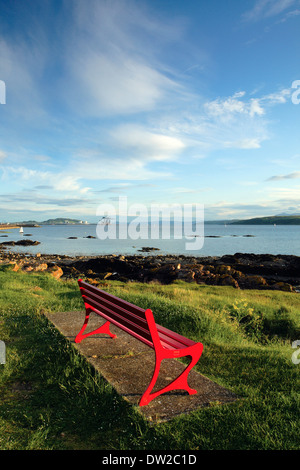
x: 141, y: 325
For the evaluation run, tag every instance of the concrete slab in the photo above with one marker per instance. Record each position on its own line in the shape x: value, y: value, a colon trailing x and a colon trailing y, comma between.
x: 127, y: 364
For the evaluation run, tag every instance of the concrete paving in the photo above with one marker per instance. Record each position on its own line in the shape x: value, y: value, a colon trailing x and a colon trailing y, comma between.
x: 127, y: 364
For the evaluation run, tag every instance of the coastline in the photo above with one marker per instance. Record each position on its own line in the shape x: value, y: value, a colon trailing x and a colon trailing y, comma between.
x: 8, y: 227
x: 241, y: 270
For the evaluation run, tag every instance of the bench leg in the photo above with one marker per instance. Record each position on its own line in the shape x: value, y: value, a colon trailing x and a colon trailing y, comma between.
x: 102, y: 329
x: 179, y: 383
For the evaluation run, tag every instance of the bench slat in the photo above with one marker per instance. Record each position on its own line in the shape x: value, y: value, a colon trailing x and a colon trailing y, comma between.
x: 170, y: 343
x: 122, y: 303
x: 138, y: 320
x: 121, y: 325
x: 122, y: 322
x: 174, y: 338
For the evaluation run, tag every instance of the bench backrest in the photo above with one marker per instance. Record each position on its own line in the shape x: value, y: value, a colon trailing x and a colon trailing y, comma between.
x: 134, y: 320
x: 123, y: 314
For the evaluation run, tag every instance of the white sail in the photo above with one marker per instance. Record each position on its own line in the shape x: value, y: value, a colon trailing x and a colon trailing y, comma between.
x: 21, y: 230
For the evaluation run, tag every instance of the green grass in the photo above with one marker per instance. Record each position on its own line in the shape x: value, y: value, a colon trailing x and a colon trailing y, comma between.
x: 51, y: 398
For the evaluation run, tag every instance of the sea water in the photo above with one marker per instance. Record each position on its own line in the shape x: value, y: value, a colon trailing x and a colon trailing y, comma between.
x: 218, y: 240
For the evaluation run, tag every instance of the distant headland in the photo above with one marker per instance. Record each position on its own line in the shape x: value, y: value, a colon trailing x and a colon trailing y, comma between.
x: 274, y: 220
x: 34, y: 223
x: 271, y: 220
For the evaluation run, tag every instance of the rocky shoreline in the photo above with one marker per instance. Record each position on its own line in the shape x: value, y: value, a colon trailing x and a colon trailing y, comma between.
x: 241, y: 270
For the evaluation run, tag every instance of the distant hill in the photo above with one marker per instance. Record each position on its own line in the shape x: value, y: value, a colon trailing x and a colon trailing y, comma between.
x: 221, y: 222
x: 57, y: 221
x: 277, y: 220
x: 60, y: 221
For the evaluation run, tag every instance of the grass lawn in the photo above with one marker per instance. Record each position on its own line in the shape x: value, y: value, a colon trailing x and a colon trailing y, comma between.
x: 51, y: 398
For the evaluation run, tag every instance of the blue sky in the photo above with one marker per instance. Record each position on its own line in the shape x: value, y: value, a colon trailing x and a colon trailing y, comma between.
x: 161, y: 101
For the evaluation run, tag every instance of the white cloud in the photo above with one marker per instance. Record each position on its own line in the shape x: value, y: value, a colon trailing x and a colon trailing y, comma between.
x: 230, y: 122
x: 236, y: 122
x: 225, y: 108
x: 147, y: 145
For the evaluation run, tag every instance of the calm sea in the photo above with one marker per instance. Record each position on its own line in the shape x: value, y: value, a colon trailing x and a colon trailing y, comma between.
x: 218, y: 240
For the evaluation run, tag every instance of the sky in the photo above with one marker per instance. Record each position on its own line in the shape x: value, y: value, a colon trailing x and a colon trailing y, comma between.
x: 156, y: 101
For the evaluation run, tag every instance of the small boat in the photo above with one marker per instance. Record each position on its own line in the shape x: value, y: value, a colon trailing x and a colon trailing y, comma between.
x: 21, y: 230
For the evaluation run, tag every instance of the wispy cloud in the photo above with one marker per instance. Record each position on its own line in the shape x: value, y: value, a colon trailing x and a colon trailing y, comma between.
x: 112, y: 59
x: 236, y: 122
x: 289, y: 176
x: 3, y: 155
x: 21, y: 68
x: 117, y: 84
x: 268, y: 8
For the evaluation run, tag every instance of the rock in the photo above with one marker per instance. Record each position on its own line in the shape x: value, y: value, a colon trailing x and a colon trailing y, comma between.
x: 223, y: 269
x: 241, y: 270
x: 148, y: 248
x: 186, y: 275
x: 21, y: 243
x: 41, y: 267
x: 283, y: 286
x: 93, y: 281
x: 28, y: 268
x: 227, y: 280
x: 27, y: 242
x: 256, y: 282
x: 107, y: 275
x: 16, y: 267
x: 56, y: 272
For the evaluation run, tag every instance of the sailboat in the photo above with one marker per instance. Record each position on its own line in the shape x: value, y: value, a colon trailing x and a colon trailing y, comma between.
x: 21, y: 230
